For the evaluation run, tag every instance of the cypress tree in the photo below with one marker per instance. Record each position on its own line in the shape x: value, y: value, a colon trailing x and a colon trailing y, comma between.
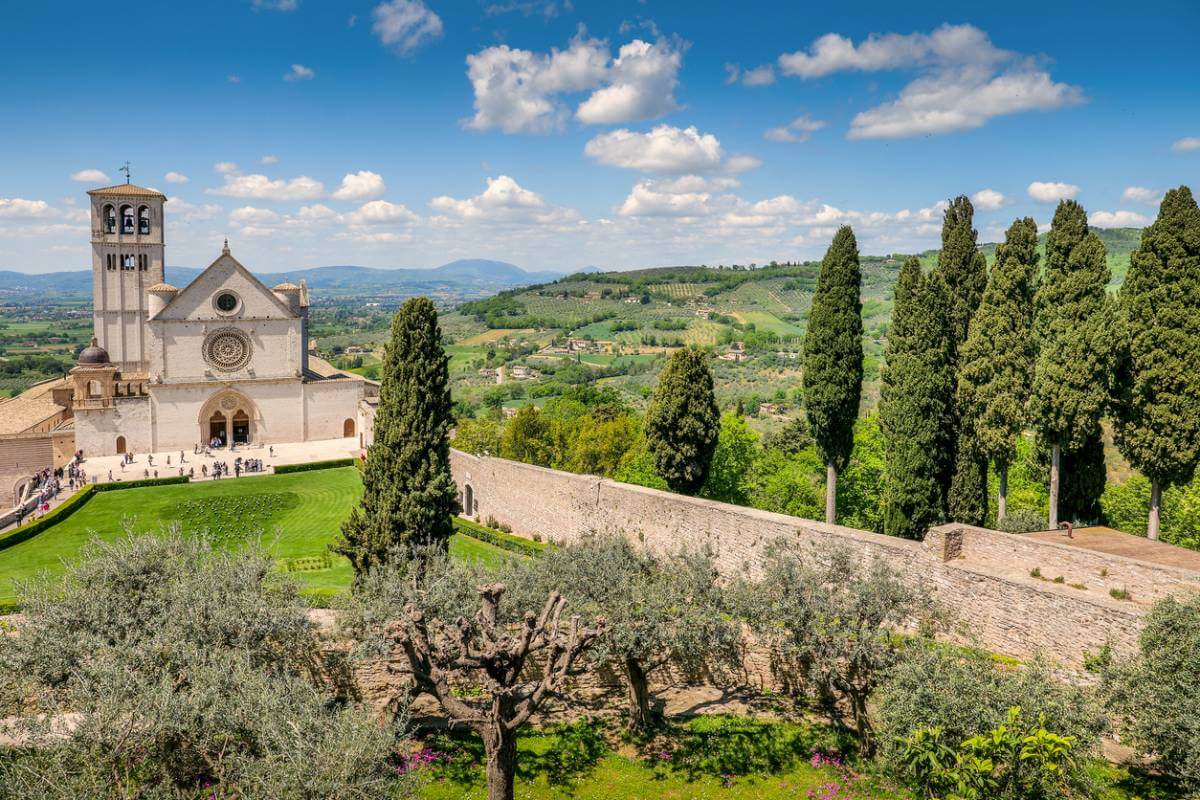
x: 1158, y: 419
x: 833, y: 360
x: 996, y: 361
x: 963, y: 269
x: 915, y: 404
x: 408, y: 491
x: 682, y: 422
x: 1074, y: 337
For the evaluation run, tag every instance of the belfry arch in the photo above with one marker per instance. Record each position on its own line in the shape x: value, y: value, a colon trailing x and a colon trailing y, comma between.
x: 229, y: 417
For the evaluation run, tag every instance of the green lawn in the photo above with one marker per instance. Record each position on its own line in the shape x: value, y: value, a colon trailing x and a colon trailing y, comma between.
x: 298, y: 515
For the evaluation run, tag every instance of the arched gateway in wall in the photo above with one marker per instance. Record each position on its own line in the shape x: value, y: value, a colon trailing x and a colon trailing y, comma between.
x: 229, y: 416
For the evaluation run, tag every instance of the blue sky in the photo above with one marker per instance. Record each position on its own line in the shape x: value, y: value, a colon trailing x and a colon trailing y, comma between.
x: 557, y: 135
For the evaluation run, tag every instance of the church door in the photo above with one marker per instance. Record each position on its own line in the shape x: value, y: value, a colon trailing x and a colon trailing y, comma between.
x: 120, y: 445
x: 348, y: 428
x: 216, y: 429
x: 241, y: 427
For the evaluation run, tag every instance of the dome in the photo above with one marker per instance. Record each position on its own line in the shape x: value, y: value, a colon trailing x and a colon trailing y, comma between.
x: 162, y: 287
x: 93, y: 354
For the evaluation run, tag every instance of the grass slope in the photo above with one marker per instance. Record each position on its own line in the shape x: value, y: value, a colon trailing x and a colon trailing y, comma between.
x: 298, y: 515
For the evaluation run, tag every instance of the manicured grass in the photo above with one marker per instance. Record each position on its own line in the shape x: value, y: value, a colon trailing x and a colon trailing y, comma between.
x: 299, y: 515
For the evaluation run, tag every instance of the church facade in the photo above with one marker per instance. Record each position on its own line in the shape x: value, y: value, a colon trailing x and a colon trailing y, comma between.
x: 222, y: 360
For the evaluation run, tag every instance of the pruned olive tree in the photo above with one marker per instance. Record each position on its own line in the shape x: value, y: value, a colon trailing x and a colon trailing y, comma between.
x: 832, y: 619
x: 160, y: 668
x: 660, y: 611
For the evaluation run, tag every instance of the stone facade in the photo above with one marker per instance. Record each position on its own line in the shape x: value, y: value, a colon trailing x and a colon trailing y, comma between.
x: 981, y: 576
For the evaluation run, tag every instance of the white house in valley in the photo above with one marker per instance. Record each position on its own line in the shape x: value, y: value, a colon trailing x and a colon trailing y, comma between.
x: 223, y: 359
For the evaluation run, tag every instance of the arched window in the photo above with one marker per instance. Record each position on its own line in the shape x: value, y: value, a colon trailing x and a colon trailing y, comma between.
x: 93, y: 389
x: 127, y: 219
x: 129, y: 263
x: 143, y: 262
x: 110, y: 219
x: 144, y: 220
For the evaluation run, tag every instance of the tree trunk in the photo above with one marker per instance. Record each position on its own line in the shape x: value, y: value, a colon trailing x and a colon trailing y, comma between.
x: 1002, y: 496
x: 862, y: 724
x: 500, y: 745
x: 830, y: 494
x: 1155, y: 510
x: 1055, y: 462
x: 638, y: 688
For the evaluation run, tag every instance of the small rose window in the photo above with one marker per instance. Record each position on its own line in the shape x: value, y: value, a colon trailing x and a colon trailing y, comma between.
x: 227, y: 302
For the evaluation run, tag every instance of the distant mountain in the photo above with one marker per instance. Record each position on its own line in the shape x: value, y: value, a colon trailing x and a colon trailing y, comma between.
x: 475, y: 274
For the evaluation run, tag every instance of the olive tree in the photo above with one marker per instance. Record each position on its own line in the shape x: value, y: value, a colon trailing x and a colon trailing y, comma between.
x: 160, y: 668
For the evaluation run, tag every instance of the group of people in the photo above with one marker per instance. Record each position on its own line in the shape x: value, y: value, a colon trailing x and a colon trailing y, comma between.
x: 220, y: 469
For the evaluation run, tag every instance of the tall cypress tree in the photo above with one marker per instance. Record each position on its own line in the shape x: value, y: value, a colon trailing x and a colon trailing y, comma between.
x: 963, y: 269
x: 1074, y: 337
x: 1158, y: 402
x: 682, y: 423
x: 996, y: 361
x: 408, y: 491
x: 833, y: 360
x: 915, y: 404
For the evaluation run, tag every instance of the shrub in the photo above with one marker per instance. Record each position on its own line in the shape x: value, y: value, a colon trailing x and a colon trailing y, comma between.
x: 332, y: 463
x: 501, y: 539
x: 1022, y: 520
x: 116, y: 486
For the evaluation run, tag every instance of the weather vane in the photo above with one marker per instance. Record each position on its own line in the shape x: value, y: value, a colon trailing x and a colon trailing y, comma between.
x: 125, y: 169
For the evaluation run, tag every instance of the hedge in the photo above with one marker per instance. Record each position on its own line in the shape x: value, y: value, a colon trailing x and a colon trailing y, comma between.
x: 332, y: 463
x: 505, y: 541
x: 75, y: 502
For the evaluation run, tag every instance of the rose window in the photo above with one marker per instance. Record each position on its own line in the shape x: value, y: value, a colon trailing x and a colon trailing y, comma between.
x: 227, y: 350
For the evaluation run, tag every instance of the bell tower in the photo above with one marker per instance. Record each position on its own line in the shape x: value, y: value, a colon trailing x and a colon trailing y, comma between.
x: 127, y: 259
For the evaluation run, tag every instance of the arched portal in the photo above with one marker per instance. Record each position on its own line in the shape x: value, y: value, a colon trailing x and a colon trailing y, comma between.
x: 348, y: 428
x: 120, y: 445
x: 241, y: 427
x: 217, y: 435
x: 468, y: 500
x: 229, y: 417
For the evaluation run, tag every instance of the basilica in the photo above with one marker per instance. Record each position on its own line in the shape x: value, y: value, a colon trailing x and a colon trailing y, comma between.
x: 222, y: 360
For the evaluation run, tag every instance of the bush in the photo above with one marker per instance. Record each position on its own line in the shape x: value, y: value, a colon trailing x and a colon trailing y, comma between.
x: 504, y: 541
x: 116, y: 486
x: 1022, y: 520
x: 332, y: 463
x: 964, y: 693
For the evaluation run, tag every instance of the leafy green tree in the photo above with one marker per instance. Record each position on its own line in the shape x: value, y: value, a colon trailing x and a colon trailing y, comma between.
x: 1158, y: 399
x: 787, y: 483
x: 682, y: 422
x: 833, y: 360
x: 916, y: 405
x: 962, y: 267
x: 526, y: 438
x: 408, y: 491
x: 996, y: 361
x: 1073, y: 329
x: 478, y: 435
x: 737, y: 447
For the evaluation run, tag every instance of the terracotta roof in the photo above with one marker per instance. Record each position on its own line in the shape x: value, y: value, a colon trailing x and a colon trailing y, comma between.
x: 286, y: 287
x: 22, y: 413
x: 162, y: 287
x: 128, y: 190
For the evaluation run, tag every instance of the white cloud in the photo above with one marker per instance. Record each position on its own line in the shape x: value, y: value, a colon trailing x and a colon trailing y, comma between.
x: 760, y: 76
x: 362, y: 185
x: 269, y: 159
x: 503, y: 200
x: 233, y: 78
x: 379, y: 212
x: 989, y: 200
x: 249, y: 215
x: 732, y: 73
x: 260, y: 187
x: 665, y: 199
x: 17, y: 207
x: 964, y: 80
x: 181, y: 209
x: 316, y: 213
x: 299, y: 72
x: 405, y: 25
x: 1186, y: 144
x: 90, y: 176
x: 519, y: 91
x: 1051, y: 192
x: 798, y: 130
x: 641, y: 85
x: 665, y: 149
x: 225, y: 167
x: 1140, y: 194
x: 1117, y: 219
x: 175, y: 177
x: 275, y: 5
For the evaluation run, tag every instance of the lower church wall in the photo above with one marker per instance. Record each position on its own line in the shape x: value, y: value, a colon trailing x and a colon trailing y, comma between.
x: 96, y: 432
x: 328, y: 405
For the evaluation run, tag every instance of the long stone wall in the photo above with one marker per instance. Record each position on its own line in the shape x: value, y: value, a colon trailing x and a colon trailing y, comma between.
x: 981, y: 576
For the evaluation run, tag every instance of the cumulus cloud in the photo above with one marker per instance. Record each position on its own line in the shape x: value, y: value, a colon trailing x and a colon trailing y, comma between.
x: 798, y: 130
x: 405, y: 25
x: 90, y: 176
x: 260, y: 187
x: 989, y: 200
x: 519, y: 91
x: 964, y: 80
x: 503, y: 200
x: 1140, y: 194
x: 275, y: 5
x: 249, y: 215
x: 665, y: 199
x: 299, y: 72
x: 19, y: 208
x: 760, y: 76
x: 175, y: 177
x: 1051, y: 192
x: 225, y: 167
x: 1117, y: 219
x: 666, y: 150
x: 1186, y: 144
x: 379, y: 212
x: 181, y: 209
x: 362, y: 185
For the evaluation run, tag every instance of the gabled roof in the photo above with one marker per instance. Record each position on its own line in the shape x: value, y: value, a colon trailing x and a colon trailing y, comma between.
x: 225, y: 256
x: 128, y: 190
